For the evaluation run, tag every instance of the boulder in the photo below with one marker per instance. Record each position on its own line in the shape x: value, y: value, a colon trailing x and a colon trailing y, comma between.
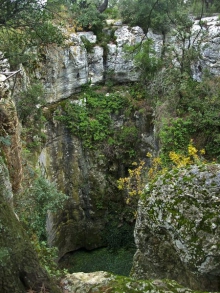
x: 104, y: 282
x: 177, y: 231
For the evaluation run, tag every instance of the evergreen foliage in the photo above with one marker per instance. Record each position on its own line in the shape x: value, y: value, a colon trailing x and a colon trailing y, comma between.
x: 25, y: 26
x: 162, y: 15
x: 34, y: 204
x: 91, y: 118
x: 88, y: 17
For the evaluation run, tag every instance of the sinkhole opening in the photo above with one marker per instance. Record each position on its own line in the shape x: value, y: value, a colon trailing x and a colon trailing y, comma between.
x: 102, y: 259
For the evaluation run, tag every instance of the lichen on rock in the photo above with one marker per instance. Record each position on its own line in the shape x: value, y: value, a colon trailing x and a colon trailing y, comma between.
x: 177, y: 230
x: 104, y: 282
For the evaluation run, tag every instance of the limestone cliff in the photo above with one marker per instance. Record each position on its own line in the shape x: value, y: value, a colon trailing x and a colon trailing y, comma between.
x: 64, y: 70
x: 88, y: 175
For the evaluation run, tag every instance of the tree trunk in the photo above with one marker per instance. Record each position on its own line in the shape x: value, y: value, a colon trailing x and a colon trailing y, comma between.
x: 103, y: 6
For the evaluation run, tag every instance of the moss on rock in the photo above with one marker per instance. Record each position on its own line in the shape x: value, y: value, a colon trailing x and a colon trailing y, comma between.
x: 19, y: 266
x: 104, y: 282
x: 178, y: 231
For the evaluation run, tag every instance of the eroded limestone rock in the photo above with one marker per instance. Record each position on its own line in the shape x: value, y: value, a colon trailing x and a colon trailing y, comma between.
x: 104, y: 282
x: 20, y: 270
x: 120, y: 66
x: 178, y: 228
x: 65, y: 69
x: 9, y: 129
x: 89, y: 177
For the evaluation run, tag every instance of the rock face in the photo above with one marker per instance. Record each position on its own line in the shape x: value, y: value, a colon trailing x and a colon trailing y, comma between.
x: 80, y: 175
x: 120, y: 66
x: 9, y: 131
x: 89, y: 177
x: 19, y: 266
x: 177, y: 231
x: 103, y: 282
x: 210, y: 45
x: 65, y: 70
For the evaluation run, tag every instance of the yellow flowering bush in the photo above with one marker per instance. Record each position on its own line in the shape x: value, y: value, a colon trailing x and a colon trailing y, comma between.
x: 192, y: 157
x: 156, y: 168
x: 135, y: 182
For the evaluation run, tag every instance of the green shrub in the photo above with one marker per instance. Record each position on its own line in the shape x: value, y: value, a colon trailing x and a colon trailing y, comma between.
x: 91, y: 121
x: 33, y: 205
x: 197, y: 107
x: 47, y: 257
x: 88, y: 45
x: 88, y: 18
x: 29, y: 105
x: 175, y: 136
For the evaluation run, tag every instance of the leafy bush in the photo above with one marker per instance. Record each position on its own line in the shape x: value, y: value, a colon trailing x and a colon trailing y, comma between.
x: 198, y: 118
x: 88, y: 17
x: 175, y: 136
x: 145, y: 58
x: 88, y: 45
x: 47, y: 257
x: 25, y: 27
x: 34, y: 204
x: 147, y: 14
x: 93, y: 118
x: 91, y: 121
x: 30, y: 103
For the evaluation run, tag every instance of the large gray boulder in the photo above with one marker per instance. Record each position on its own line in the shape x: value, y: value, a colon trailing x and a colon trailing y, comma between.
x: 177, y: 231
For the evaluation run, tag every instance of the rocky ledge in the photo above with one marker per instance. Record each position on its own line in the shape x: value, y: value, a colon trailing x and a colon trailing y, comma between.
x: 104, y: 282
